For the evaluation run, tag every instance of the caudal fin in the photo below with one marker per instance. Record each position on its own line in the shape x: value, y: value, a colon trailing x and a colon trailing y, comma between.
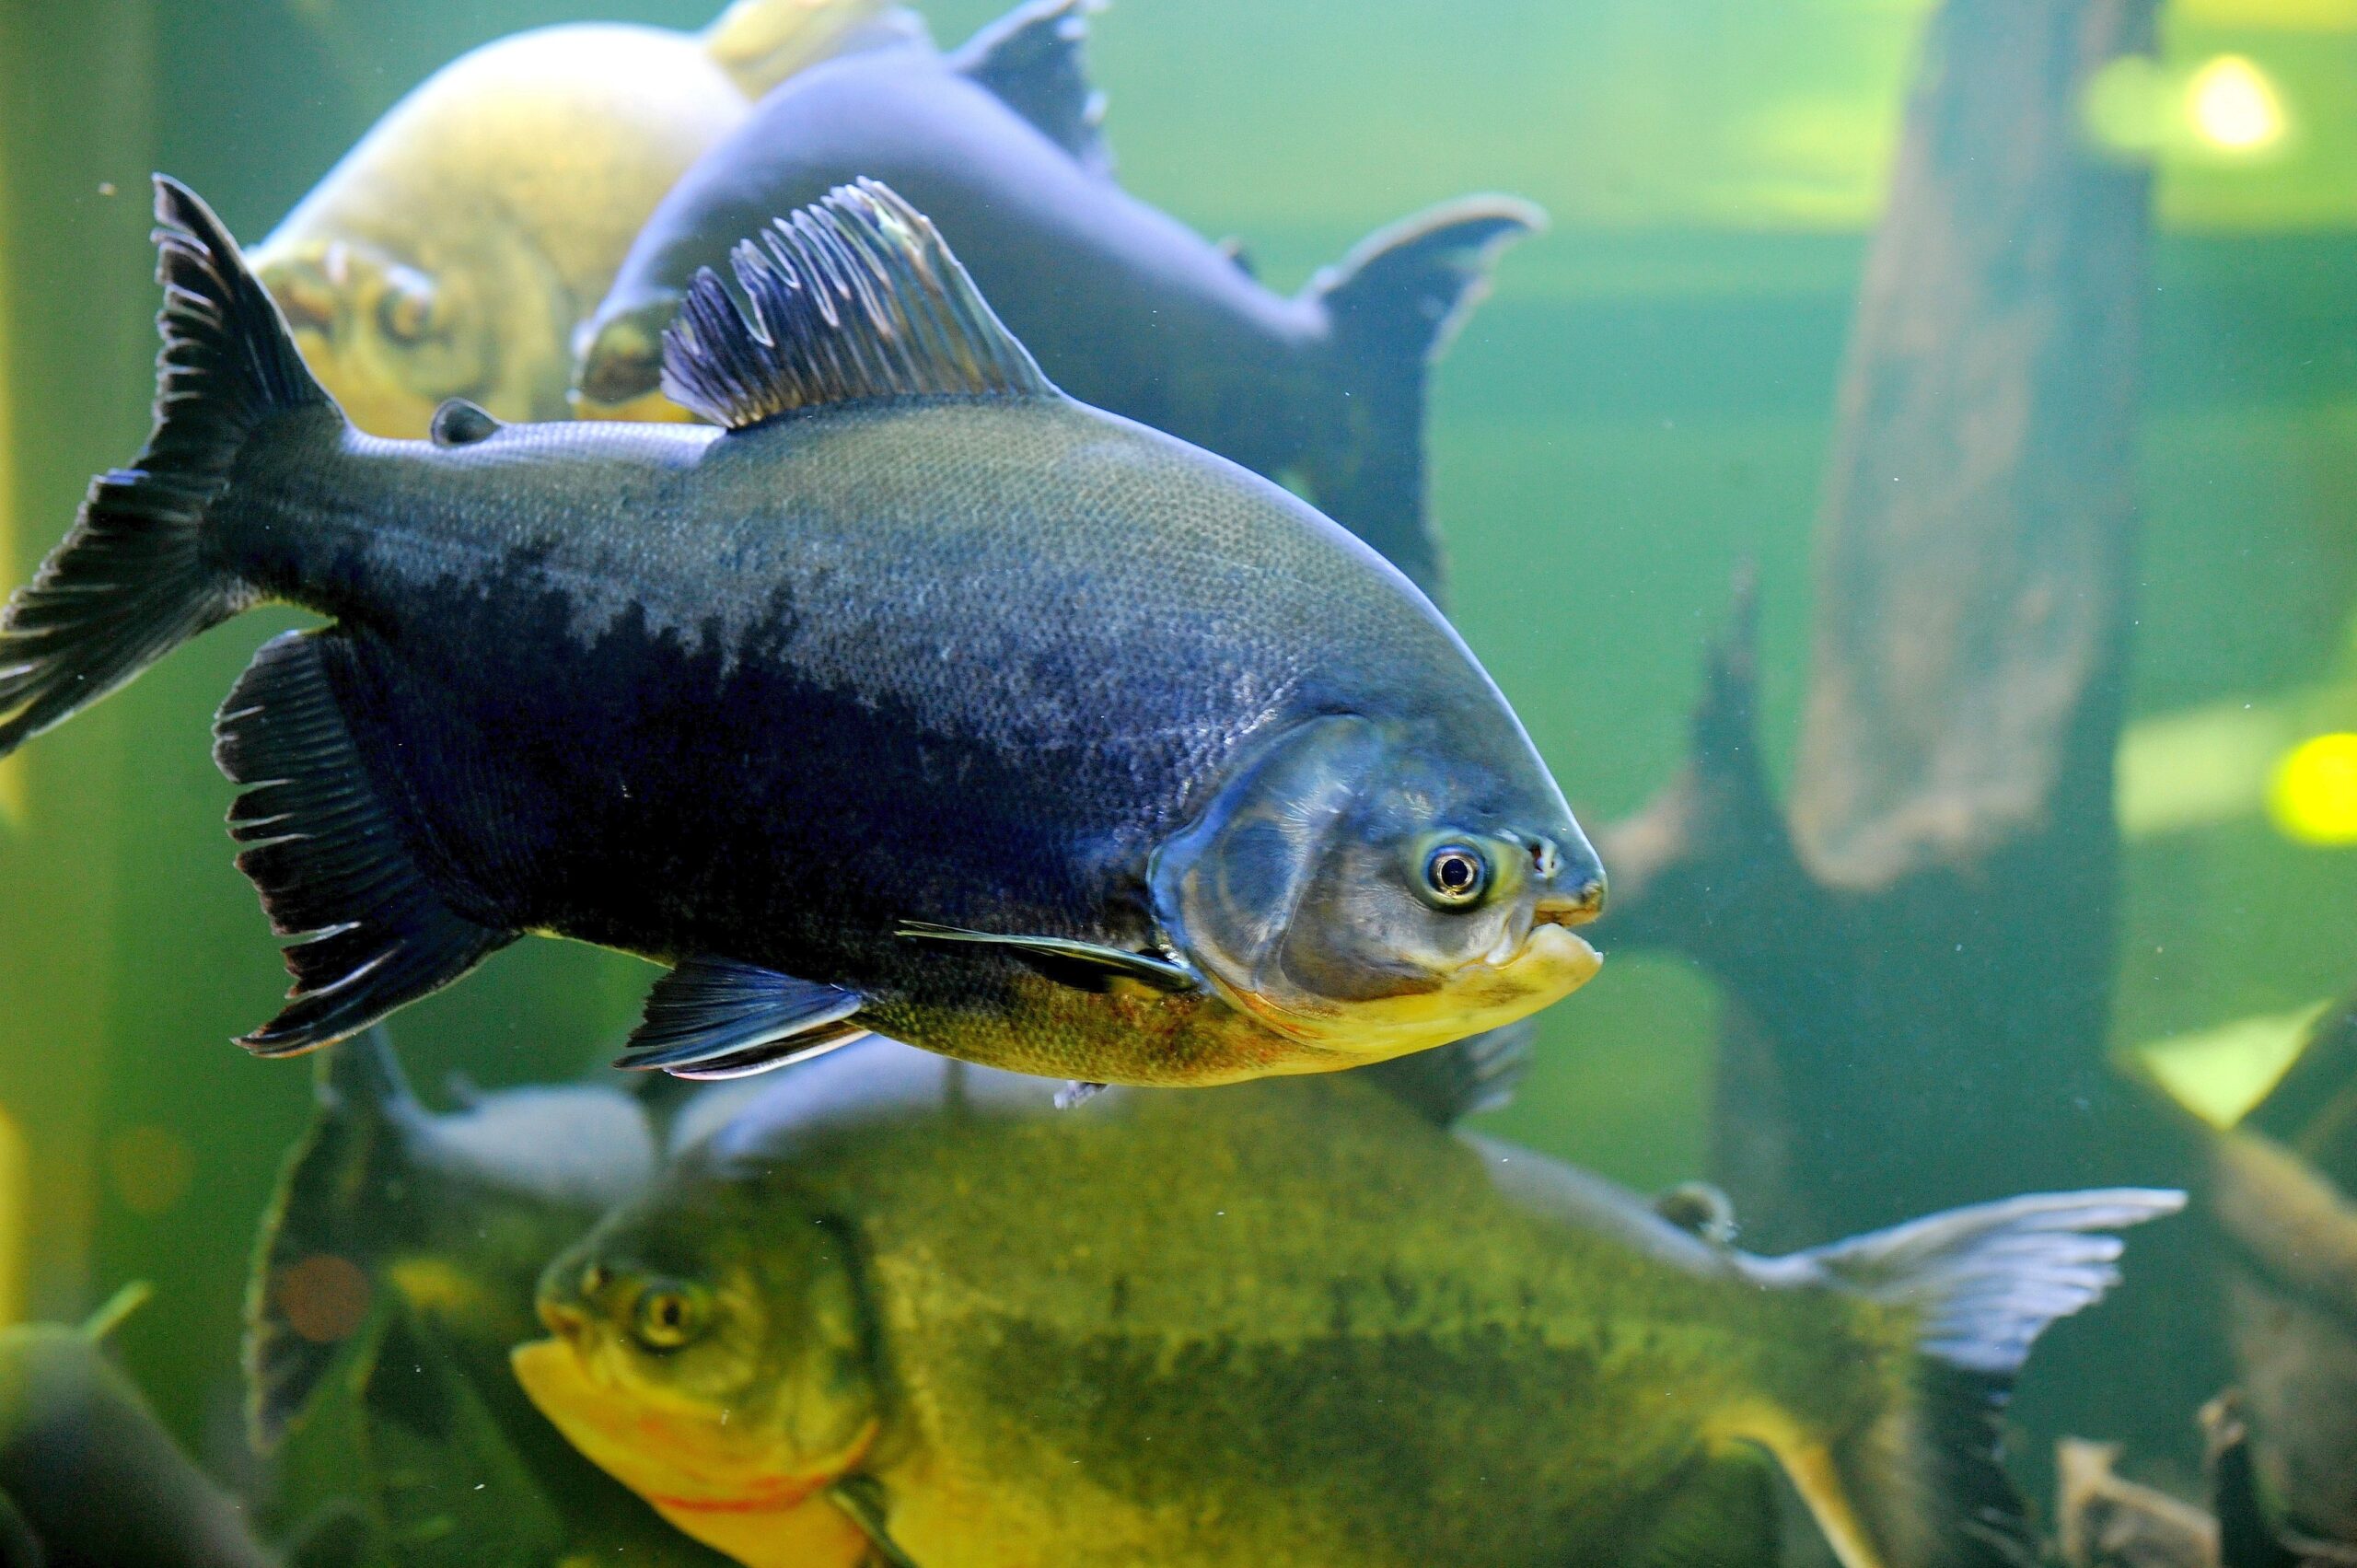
x: 134, y: 579
x: 335, y: 1210
x: 1393, y: 305
x: 1922, y: 1486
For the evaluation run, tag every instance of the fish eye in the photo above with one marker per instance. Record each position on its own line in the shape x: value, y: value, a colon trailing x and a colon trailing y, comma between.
x: 669, y: 1317
x: 405, y: 310
x: 1456, y: 875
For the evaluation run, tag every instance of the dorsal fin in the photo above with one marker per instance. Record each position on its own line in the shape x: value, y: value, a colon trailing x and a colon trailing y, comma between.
x: 1034, y: 61
x: 852, y: 298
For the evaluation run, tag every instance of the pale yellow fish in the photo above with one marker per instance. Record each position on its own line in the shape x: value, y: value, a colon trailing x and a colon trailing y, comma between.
x: 452, y: 250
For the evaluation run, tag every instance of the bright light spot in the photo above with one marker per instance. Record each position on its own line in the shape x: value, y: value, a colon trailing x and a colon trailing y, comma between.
x: 2315, y: 797
x: 2233, y: 105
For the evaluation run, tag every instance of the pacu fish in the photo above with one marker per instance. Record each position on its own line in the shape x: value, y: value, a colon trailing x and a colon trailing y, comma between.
x: 1126, y: 307
x: 452, y: 251
x: 915, y: 696
x: 905, y: 1301
x: 394, y: 1273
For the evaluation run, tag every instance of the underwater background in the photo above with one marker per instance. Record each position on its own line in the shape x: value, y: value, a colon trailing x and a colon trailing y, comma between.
x: 1640, y: 414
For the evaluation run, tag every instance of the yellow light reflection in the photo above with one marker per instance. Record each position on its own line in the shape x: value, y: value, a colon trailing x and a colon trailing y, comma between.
x: 2315, y: 795
x: 2233, y: 106
x: 2220, y: 1075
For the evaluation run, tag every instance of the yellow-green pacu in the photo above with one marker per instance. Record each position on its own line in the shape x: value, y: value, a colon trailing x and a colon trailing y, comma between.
x: 452, y: 251
x: 903, y: 1305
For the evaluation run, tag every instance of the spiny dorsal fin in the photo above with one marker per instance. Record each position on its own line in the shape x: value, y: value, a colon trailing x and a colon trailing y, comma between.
x: 853, y: 298
x: 1034, y: 60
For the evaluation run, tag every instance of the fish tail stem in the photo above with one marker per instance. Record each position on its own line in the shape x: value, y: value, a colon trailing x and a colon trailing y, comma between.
x: 1923, y: 1485
x: 140, y: 572
x: 1392, y: 305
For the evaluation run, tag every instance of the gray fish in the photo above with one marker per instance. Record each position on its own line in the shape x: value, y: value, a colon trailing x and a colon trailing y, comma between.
x: 917, y: 697
x: 1125, y: 306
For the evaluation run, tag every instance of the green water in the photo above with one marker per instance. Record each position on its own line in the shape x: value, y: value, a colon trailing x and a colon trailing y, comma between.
x: 1641, y: 410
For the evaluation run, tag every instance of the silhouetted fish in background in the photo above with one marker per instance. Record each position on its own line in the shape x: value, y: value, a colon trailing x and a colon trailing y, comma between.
x: 1125, y: 306
x: 394, y: 1272
x: 452, y: 250
x: 919, y: 698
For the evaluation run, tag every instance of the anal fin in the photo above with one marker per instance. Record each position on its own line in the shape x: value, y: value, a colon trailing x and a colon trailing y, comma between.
x: 371, y: 932
x: 1816, y: 1477
x: 717, y: 1018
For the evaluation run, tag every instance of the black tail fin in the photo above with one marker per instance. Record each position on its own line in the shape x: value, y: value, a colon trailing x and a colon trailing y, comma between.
x: 335, y: 1210
x: 1922, y: 1486
x: 1393, y: 304
x: 134, y: 579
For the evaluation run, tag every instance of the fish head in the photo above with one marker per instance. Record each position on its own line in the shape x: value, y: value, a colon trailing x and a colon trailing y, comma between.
x: 393, y: 334
x: 1357, y: 887
x: 708, y: 1353
x: 617, y: 362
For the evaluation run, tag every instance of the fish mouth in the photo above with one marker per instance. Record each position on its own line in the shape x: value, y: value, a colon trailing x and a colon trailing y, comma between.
x: 1551, y: 959
x: 1577, y: 906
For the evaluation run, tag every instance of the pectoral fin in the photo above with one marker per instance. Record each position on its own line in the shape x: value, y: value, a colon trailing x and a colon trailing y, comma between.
x: 861, y: 1501
x: 1082, y: 965
x: 716, y: 1018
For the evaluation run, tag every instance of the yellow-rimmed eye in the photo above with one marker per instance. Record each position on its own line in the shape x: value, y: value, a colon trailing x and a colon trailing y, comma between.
x: 1456, y: 875
x: 669, y: 1317
x: 405, y: 310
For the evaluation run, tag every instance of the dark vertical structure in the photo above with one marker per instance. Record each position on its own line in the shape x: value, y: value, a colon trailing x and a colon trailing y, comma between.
x: 1917, y: 951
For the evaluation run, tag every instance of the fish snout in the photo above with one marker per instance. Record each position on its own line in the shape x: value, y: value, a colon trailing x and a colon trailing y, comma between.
x: 568, y: 1320
x: 305, y: 295
x: 1574, y: 905
x: 1570, y: 882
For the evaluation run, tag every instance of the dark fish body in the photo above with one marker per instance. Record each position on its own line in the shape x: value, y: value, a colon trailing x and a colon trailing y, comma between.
x: 925, y: 699
x: 1125, y: 307
x: 1163, y: 1328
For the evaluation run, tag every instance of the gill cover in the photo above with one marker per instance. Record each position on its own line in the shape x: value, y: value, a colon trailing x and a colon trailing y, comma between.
x: 1229, y: 888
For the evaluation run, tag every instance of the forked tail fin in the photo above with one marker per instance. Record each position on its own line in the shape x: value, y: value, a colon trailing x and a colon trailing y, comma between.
x: 134, y: 579
x: 1393, y: 304
x: 1921, y: 1486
